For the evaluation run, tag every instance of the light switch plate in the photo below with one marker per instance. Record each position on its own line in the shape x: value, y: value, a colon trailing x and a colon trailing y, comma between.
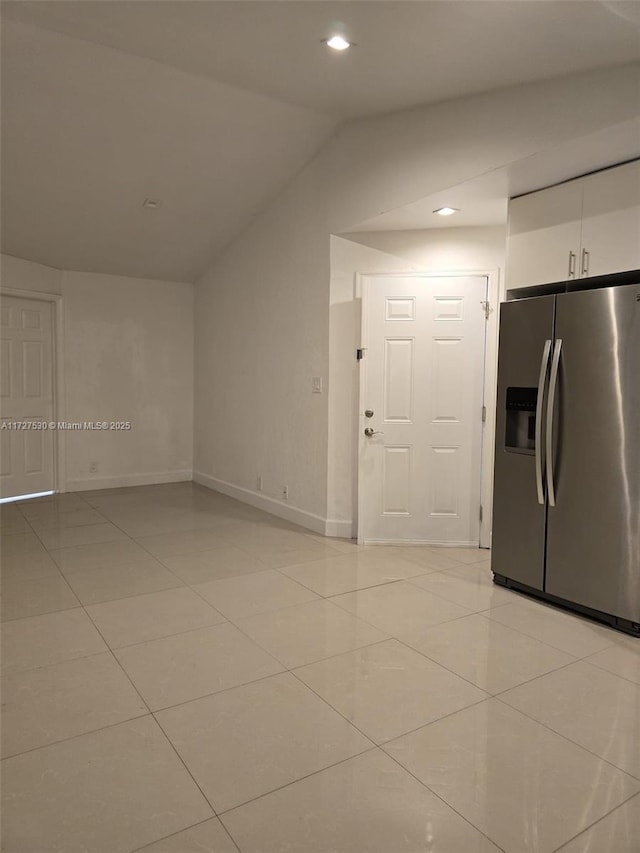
x: 316, y: 384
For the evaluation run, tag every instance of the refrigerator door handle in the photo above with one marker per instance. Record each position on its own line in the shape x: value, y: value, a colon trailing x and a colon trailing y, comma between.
x: 553, y: 384
x: 544, y: 367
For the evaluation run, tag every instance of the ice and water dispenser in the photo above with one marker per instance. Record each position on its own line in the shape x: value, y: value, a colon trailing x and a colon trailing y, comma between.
x: 520, y: 429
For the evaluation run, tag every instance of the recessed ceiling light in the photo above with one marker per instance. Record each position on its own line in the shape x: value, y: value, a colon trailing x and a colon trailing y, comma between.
x: 337, y: 43
x: 446, y: 211
x: 152, y: 203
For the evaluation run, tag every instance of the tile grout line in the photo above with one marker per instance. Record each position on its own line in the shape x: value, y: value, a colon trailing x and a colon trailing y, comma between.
x: 442, y: 800
x: 603, y: 669
x: 125, y: 597
x: 380, y: 744
x: 373, y: 625
x: 71, y: 590
x: 228, y: 541
x: 596, y: 822
x: 53, y: 743
x: 182, y: 761
x: 57, y: 662
x: 180, y: 633
x: 474, y: 704
x: 38, y: 615
x: 103, y: 520
x: 531, y: 637
x: 473, y: 683
x: 540, y: 675
x: 186, y: 829
x: 372, y: 748
x: 407, y: 645
x: 80, y: 545
x: 635, y: 778
x: 344, y: 591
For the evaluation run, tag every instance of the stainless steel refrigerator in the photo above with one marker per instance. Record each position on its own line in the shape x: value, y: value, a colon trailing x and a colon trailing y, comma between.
x: 566, y: 520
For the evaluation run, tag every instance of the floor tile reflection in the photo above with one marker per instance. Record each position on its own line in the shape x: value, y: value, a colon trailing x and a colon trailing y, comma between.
x: 526, y: 787
x: 368, y: 804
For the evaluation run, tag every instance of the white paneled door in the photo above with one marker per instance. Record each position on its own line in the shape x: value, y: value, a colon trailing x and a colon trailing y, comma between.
x: 422, y: 398
x: 26, y: 369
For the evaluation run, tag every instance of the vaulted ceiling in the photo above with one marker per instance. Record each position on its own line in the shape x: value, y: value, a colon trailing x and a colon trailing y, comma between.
x: 213, y: 106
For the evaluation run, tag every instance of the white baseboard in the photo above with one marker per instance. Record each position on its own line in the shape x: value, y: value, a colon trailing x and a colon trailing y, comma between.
x: 121, y: 480
x: 275, y: 507
x: 420, y: 542
x: 339, y: 529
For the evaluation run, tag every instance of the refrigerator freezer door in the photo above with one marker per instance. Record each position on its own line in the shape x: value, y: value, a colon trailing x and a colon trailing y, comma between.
x: 518, y: 517
x: 593, y: 532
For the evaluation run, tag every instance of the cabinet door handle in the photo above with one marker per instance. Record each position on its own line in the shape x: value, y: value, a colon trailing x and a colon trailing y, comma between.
x: 572, y: 264
x: 585, y: 262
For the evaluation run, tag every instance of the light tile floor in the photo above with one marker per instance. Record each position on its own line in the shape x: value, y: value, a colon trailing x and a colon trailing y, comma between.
x: 183, y: 673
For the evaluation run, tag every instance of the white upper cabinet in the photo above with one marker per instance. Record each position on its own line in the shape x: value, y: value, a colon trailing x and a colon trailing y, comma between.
x: 544, y: 235
x: 611, y: 221
x: 586, y: 227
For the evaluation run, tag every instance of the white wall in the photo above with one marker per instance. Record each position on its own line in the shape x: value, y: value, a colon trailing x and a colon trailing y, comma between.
x: 378, y: 164
x: 25, y: 275
x: 262, y: 332
x: 440, y: 249
x: 262, y: 309
x: 436, y: 250
x: 128, y: 356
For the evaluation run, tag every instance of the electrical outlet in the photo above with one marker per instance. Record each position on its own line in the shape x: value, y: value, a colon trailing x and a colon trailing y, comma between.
x: 93, y: 467
x: 285, y: 493
x: 259, y: 482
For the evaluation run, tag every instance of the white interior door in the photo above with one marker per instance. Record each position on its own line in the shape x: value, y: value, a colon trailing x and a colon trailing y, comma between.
x: 26, y: 390
x: 423, y: 375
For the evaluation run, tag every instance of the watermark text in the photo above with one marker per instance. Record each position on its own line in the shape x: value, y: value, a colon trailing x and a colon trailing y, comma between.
x: 66, y: 426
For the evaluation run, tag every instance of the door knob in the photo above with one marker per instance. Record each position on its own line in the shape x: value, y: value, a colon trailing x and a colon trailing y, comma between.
x: 368, y: 413
x: 369, y: 431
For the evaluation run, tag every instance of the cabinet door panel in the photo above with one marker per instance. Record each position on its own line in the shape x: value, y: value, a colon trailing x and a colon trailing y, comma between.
x: 611, y: 220
x: 543, y: 228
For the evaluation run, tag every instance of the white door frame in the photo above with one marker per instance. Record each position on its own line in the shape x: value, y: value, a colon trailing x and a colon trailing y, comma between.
x: 495, y: 296
x: 57, y: 331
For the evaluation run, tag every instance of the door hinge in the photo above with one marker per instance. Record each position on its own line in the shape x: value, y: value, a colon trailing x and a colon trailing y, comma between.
x: 360, y: 353
x: 480, y: 513
x: 487, y: 308
x: 484, y: 414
